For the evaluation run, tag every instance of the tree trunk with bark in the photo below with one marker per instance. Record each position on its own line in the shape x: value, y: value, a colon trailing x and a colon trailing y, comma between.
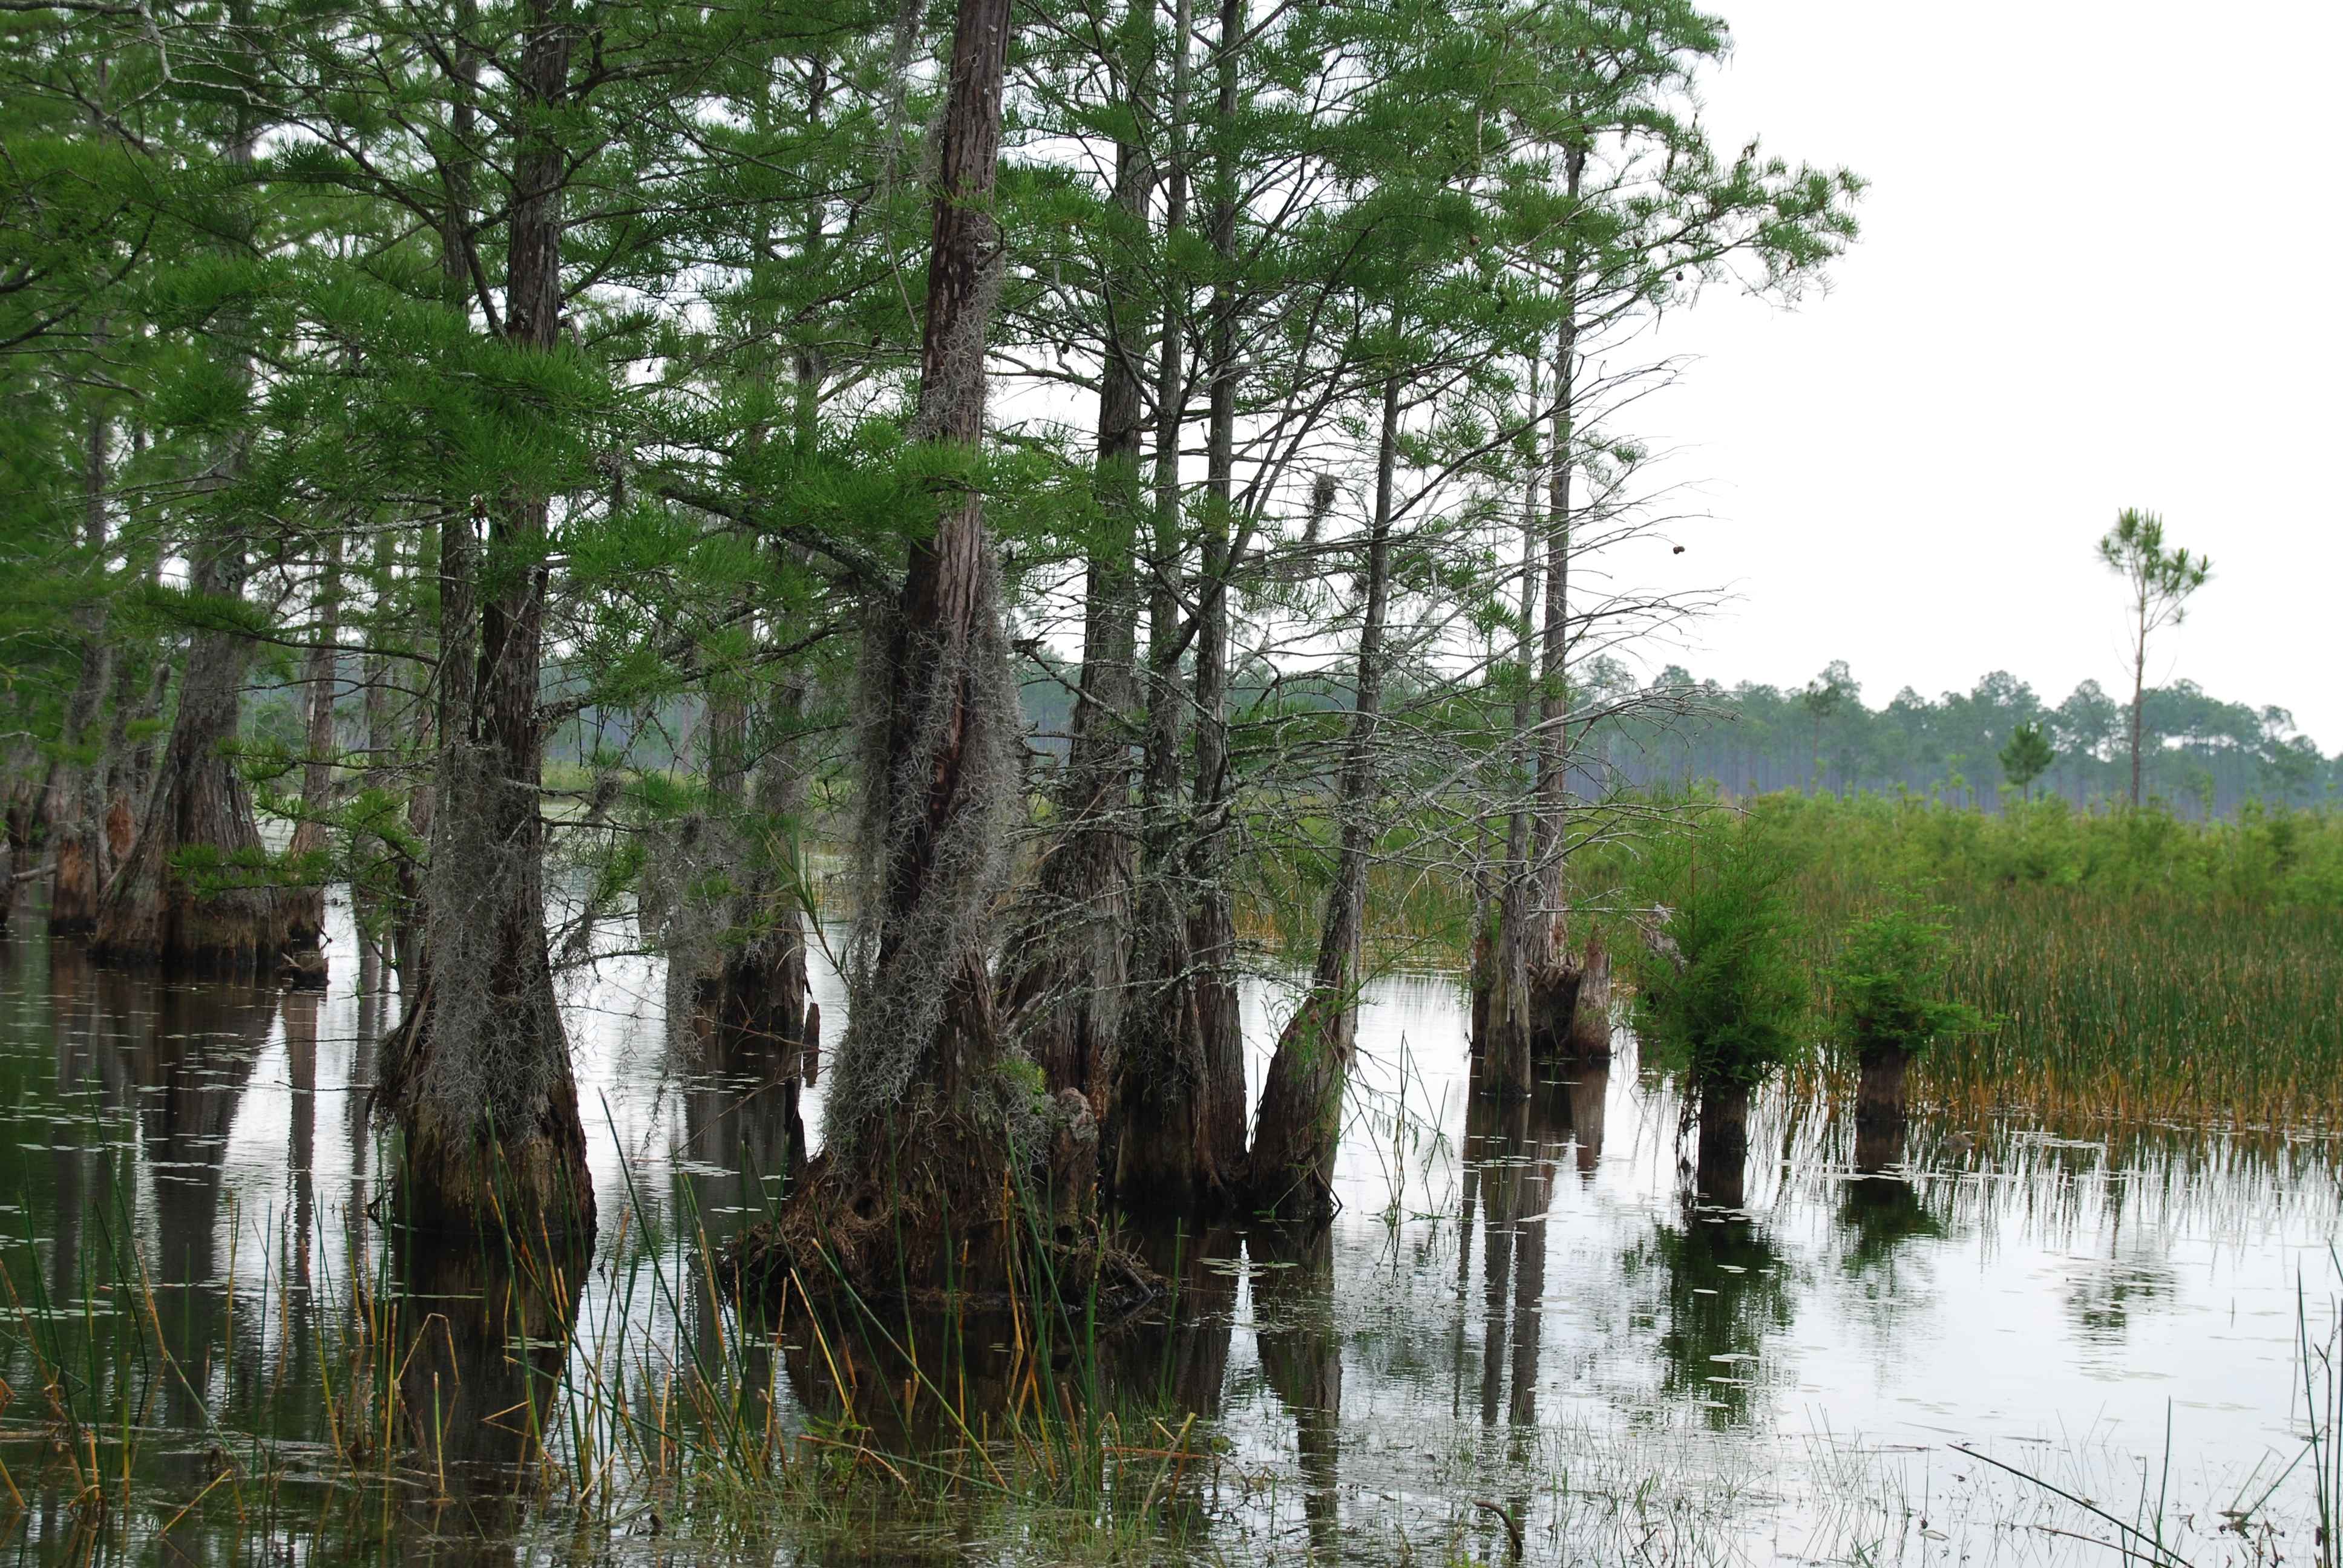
x: 73, y: 808
x: 477, y: 1073
x: 425, y: 723
x: 194, y: 898
x: 1212, y: 921
x: 1553, y: 972
x: 758, y: 1007
x: 1301, y: 1121
x: 1590, y: 1017
x: 1168, y: 1142
x: 1066, y: 968
x: 1508, y: 1023
x: 934, y: 1141
x: 304, y: 903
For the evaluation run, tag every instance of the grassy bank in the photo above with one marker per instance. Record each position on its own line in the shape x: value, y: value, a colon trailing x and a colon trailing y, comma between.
x: 2138, y: 966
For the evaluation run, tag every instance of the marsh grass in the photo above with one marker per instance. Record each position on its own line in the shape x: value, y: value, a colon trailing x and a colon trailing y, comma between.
x: 2135, y: 966
x: 412, y: 1393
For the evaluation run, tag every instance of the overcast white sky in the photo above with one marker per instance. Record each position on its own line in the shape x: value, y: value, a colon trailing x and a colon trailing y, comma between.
x: 2097, y: 270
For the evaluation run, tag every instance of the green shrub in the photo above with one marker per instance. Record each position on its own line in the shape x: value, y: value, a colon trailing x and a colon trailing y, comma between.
x: 1889, y: 986
x: 1723, y: 993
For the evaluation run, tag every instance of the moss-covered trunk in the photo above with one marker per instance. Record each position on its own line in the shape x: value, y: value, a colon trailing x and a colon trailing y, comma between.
x: 477, y: 1074
x: 941, y: 1147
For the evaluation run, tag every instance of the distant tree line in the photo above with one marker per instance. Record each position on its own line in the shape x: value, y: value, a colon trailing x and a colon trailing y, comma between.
x: 2201, y: 756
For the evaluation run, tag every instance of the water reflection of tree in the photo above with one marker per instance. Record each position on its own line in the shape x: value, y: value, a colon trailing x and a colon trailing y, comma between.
x: 1878, y: 1216
x: 1723, y: 1289
x: 191, y: 1066
x: 1512, y: 1150
x: 744, y: 1134
x: 1171, y: 1365
x: 744, y: 1140
x: 481, y: 1335
x: 2102, y: 1299
x: 1301, y: 1358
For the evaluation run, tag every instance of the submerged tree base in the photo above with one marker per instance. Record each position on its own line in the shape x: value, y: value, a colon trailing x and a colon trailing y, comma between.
x: 453, y: 1178
x: 950, y: 1217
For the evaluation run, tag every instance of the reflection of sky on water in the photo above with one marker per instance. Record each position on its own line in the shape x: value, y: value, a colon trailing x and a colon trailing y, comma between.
x: 2026, y: 1298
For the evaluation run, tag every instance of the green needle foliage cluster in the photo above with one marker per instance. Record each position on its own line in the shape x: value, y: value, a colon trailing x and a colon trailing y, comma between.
x: 1890, y: 988
x: 2026, y: 758
x: 1721, y: 990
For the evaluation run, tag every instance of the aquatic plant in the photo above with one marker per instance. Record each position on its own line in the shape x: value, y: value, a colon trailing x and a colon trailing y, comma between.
x: 1721, y: 986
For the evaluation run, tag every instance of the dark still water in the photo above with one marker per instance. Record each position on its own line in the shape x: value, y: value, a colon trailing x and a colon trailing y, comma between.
x: 1518, y: 1322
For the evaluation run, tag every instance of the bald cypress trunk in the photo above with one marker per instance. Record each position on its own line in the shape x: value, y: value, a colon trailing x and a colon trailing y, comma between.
x: 929, y: 1134
x: 192, y: 898
x: 1066, y: 967
x: 304, y: 903
x: 72, y: 805
x: 760, y: 1013
x: 477, y: 1074
x: 1553, y: 970
x: 1507, y: 1017
x: 1212, y: 921
x: 1168, y: 1152
x: 1300, y: 1119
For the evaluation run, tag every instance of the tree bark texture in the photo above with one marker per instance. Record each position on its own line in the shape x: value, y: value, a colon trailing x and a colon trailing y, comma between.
x: 1211, y: 921
x: 153, y: 910
x: 477, y: 1074
x: 929, y: 1140
x: 1301, y: 1122
x: 1508, y: 1023
x: 1066, y: 968
x: 72, y: 807
x: 1590, y: 1015
x: 157, y: 910
x: 1168, y: 1145
x: 760, y: 1005
x: 1553, y: 973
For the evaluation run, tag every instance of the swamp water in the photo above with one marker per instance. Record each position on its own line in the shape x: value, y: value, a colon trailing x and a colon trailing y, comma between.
x: 1519, y: 1323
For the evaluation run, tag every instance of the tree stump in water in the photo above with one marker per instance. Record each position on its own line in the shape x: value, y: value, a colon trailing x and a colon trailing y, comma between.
x: 1589, y: 1038
x: 1721, y: 1167
x: 1880, y: 1115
